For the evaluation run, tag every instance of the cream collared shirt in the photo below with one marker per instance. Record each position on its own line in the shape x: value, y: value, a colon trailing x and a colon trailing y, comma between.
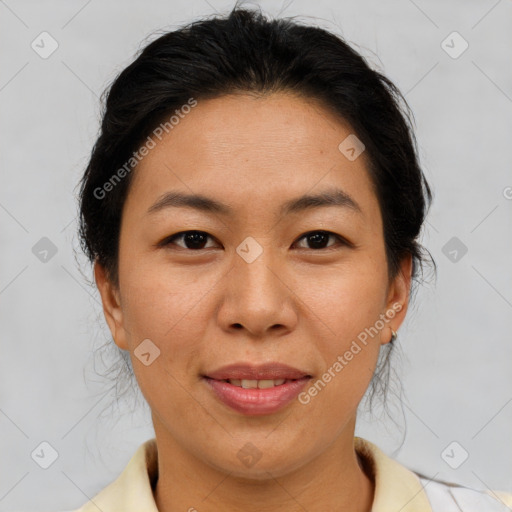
x: 397, y: 489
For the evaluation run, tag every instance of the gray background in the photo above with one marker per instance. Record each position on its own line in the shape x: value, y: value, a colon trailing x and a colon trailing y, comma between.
x: 456, y: 342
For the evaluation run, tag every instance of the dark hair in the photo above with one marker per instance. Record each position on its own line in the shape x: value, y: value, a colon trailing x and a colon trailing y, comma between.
x: 245, y: 52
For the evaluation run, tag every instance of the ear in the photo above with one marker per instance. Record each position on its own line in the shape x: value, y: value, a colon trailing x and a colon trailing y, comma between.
x: 398, y: 297
x: 110, y: 297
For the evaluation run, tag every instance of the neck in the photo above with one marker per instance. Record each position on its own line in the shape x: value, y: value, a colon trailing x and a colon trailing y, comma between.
x: 336, y: 480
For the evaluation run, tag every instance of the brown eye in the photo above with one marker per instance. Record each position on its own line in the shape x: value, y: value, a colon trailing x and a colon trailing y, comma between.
x: 192, y: 240
x: 318, y: 239
x: 196, y: 240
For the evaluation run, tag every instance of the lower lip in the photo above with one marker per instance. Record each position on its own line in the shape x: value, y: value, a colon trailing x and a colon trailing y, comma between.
x: 255, y: 402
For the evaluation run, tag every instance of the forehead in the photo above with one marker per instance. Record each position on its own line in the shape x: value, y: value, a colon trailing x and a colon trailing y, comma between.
x: 258, y: 148
x: 243, y: 125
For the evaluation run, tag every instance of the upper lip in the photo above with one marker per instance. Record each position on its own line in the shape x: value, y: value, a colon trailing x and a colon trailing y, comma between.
x: 247, y: 371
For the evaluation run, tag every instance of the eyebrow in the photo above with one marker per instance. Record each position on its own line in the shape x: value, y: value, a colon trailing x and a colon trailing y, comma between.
x: 331, y: 197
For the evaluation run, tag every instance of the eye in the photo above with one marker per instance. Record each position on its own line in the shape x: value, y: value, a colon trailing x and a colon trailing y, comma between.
x: 318, y: 239
x: 193, y: 240
x: 196, y: 240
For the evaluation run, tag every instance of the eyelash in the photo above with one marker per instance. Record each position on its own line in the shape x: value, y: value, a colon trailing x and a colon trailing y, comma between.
x: 169, y: 240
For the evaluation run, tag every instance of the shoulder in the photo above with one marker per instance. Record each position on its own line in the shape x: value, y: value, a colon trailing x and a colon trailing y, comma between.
x: 132, y: 490
x: 447, y: 497
x: 398, y: 487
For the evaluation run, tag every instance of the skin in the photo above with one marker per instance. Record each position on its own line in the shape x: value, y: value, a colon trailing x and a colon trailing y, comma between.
x: 296, y: 304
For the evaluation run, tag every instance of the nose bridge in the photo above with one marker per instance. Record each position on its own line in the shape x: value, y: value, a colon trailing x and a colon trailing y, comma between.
x: 256, y: 297
x: 255, y: 269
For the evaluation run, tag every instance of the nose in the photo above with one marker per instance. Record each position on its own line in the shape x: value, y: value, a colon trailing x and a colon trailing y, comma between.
x: 256, y: 297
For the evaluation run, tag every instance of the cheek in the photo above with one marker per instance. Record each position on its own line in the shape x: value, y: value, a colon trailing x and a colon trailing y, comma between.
x: 162, y: 303
x: 164, y: 312
x: 168, y: 310
x: 350, y: 300
x: 350, y: 306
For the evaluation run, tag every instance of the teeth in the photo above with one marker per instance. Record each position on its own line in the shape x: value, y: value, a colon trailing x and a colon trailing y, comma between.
x: 264, y: 384
x: 253, y: 384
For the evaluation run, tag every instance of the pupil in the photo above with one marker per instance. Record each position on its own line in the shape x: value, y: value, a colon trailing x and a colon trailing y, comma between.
x: 317, y: 239
x: 195, y: 238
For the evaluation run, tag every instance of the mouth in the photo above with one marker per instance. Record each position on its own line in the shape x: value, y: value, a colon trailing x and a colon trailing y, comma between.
x: 256, y: 390
x: 257, y: 384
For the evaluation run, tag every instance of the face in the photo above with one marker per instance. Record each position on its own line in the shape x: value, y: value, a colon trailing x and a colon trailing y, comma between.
x: 256, y: 284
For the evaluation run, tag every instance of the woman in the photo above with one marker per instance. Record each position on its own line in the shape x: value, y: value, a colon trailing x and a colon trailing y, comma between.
x: 252, y: 209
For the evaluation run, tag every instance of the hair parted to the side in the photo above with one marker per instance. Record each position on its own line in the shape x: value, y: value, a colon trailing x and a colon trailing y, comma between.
x: 247, y: 52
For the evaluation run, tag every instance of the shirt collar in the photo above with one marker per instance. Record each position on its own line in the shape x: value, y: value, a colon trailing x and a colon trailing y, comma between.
x: 396, y: 487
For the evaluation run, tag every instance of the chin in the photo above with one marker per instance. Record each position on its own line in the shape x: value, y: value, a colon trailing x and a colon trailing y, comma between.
x: 249, y: 464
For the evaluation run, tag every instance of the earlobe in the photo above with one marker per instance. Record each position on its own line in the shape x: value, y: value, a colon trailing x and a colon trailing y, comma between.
x: 398, y: 297
x: 112, y: 310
